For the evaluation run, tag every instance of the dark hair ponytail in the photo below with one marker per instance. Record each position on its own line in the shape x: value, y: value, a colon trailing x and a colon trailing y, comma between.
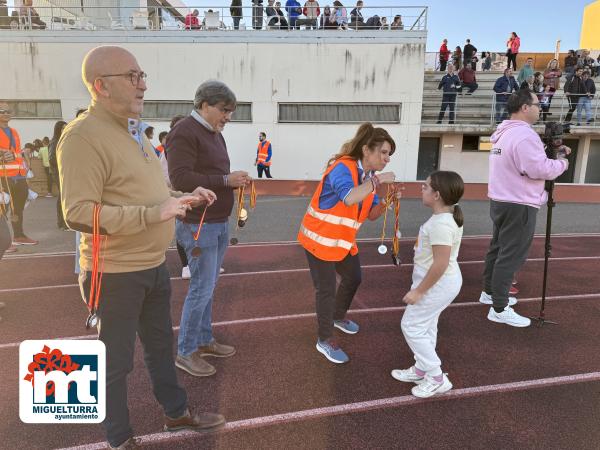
x: 367, y: 135
x: 451, y: 187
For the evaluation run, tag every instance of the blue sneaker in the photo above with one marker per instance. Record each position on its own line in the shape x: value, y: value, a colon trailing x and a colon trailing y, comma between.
x: 332, y: 351
x: 347, y: 326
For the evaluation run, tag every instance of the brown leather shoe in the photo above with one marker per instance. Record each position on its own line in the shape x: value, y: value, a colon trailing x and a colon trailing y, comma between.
x: 216, y: 349
x: 195, y: 365
x: 130, y: 444
x: 198, y: 422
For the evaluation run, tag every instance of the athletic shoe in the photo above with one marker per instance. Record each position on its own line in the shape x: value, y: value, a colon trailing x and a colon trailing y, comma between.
x: 24, y: 241
x: 513, y: 290
x: 332, y: 351
x: 407, y: 375
x: 185, y: 273
x: 11, y: 249
x: 486, y: 299
x: 509, y: 317
x: 221, y: 270
x: 347, y: 326
x: 429, y: 387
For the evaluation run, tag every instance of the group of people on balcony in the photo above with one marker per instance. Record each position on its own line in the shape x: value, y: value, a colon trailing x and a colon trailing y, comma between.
x: 293, y: 15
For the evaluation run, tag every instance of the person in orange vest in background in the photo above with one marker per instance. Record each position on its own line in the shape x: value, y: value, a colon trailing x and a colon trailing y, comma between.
x: 344, y: 199
x: 263, y: 156
x: 13, y: 173
x: 162, y: 138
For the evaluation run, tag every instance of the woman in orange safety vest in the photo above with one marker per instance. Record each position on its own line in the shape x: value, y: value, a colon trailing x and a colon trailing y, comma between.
x: 344, y: 199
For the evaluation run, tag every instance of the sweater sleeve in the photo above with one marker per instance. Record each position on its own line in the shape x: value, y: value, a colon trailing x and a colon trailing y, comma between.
x: 531, y: 160
x: 83, y: 173
x: 182, y: 160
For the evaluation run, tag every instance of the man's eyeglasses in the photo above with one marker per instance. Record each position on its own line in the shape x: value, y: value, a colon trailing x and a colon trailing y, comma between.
x: 5, y: 111
x: 225, y: 110
x: 134, y: 77
x: 537, y: 104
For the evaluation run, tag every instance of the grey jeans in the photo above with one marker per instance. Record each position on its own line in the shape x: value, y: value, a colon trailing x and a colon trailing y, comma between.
x: 514, y: 225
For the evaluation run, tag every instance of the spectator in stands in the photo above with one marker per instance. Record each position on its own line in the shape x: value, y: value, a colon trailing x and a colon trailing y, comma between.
x: 468, y: 78
x: 257, y: 14
x: 585, y: 61
x: 469, y: 51
x: 450, y: 85
x: 4, y: 17
x: 278, y: 21
x: 312, y: 12
x: 574, y: 89
x: 526, y: 71
x: 294, y: 11
x: 58, y: 129
x: 528, y: 83
x: 397, y: 23
x: 585, y: 101
x: 341, y: 15
x: 538, y: 84
x: 43, y: 153
x: 191, y: 21
x: 384, y: 24
x: 486, y: 61
x: 328, y: 20
x: 356, y: 17
x: 373, y: 22
x: 31, y: 17
x: 552, y: 76
x: 236, y: 13
x: 272, y: 16
x: 457, y: 58
x: 545, y: 100
x: 570, y: 64
x: 14, y: 171
x: 504, y: 86
x: 444, y: 55
x: 513, y: 44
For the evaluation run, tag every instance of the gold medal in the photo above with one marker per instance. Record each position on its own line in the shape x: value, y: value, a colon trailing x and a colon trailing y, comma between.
x: 196, y: 251
x: 233, y: 241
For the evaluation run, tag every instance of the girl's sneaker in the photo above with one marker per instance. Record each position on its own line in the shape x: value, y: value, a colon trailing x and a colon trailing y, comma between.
x: 429, y: 387
x: 407, y: 375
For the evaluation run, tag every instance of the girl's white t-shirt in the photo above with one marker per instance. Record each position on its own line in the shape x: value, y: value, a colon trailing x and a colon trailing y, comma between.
x: 440, y: 229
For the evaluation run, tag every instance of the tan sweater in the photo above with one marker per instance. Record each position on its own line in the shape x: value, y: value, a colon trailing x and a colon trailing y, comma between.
x: 100, y: 162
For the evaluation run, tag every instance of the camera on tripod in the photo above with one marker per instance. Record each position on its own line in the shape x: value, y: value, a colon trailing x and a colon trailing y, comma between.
x: 552, y: 138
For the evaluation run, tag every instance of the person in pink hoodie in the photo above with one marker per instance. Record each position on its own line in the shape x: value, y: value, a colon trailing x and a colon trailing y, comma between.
x: 518, y: 170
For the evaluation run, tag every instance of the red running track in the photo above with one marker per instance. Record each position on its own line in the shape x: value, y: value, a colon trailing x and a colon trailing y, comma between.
x: 513, y: 387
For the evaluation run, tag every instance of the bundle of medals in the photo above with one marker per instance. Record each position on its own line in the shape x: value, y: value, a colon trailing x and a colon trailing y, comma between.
x: 97, y: 269
x: 242, y: 213
x: 391, y: 199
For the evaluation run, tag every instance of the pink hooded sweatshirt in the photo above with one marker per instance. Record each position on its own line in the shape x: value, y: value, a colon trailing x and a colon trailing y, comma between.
x: 519, y: 166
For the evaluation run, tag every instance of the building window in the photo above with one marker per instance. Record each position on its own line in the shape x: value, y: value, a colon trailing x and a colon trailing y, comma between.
x: 165, y: 110
x: 35, y: 109
x: 476, y: 143
x: 339, y: 112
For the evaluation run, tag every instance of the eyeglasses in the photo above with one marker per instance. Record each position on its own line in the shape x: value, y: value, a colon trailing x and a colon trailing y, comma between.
x: 535, y: 104
x: 134, y: 77
x: 225, y: 110
x: 5, y: 111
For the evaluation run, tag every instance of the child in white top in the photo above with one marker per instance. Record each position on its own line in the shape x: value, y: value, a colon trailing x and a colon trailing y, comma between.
x: 436, y: 282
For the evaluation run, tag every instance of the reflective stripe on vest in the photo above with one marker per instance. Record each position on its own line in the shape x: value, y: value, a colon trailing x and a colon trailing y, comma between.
x: 16, y: 167
x: 263, y: 153
x: 331, y: 234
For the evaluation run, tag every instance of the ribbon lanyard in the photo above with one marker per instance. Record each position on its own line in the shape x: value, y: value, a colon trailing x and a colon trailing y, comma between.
x: 390, y: 198
x: 196, y: 251
x: 97, y: 269
x: 242, y: 213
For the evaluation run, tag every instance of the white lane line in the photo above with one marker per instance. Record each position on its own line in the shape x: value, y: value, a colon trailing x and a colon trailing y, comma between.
x: 287, y: 243
x: 299, y: 270
x: 352, y: 311
x: 358, y: 407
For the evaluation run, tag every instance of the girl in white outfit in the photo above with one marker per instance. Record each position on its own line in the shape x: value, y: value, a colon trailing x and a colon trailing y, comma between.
x: 436, y: 282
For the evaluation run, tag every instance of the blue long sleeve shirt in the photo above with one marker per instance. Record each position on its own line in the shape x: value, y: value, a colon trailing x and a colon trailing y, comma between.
x: 338, y: 184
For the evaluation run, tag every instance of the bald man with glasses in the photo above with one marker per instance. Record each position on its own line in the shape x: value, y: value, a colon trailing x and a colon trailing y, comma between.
x: 105, y: 160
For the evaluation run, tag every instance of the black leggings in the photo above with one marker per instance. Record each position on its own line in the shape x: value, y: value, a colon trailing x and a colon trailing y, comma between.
x: 182, y: 255
x: 18, y: 191
x: 512, y: 58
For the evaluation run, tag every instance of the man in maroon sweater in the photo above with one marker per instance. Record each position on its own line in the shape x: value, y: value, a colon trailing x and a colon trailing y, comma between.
x: 468, y: 79
x: 197, y: 156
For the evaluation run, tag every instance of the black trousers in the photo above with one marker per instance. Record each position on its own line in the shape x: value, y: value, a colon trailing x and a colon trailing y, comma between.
x: 18, y: 191
x: 331, y: 304
x: 448, y: 101
x: 573, y: 100
x: 512, y: 59
x: 266, y: 169
x: 514, y: 225
x: 5, y: 239
x: 136, y: 303
x: 443, y: 65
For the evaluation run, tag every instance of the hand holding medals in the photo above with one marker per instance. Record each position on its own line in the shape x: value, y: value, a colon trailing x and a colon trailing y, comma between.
x: 392, y: 197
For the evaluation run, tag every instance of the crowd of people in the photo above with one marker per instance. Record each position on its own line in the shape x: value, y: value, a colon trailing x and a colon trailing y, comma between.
x: 579, y: 89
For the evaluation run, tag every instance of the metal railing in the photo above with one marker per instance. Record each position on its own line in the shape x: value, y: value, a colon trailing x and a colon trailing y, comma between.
x: 63, y: 15
x: 483, y: 110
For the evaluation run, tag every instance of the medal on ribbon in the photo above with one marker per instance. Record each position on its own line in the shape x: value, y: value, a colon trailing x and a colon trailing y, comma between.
x: 391, y: 199
x: 241, y: 212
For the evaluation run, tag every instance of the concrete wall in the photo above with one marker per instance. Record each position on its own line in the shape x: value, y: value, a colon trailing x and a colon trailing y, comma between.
x: 274, y: 68
x: 473, y: 166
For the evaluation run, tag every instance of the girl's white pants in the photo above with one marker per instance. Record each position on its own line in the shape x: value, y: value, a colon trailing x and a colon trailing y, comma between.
x: 419, y: 323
